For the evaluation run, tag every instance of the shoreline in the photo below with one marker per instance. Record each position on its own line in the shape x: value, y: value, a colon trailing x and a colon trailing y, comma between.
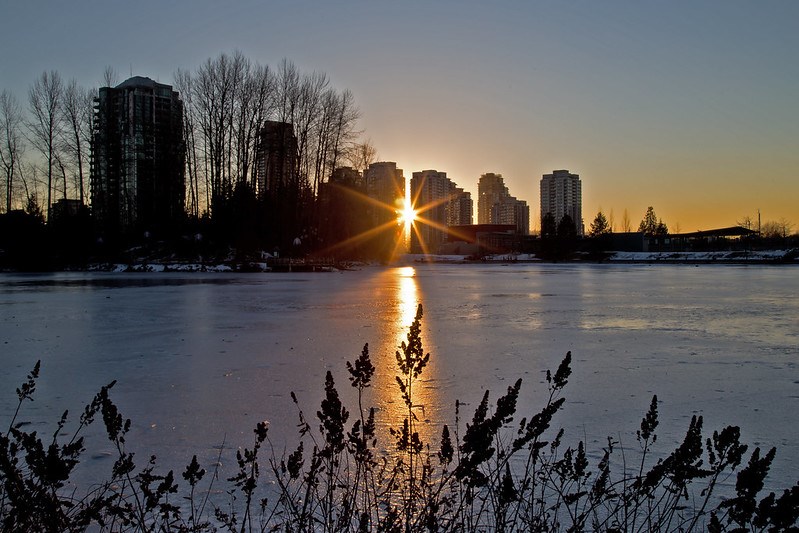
x: 760, y: 258
x: 764, y: 257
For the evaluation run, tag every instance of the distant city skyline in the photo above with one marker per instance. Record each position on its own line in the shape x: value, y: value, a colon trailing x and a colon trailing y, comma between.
x: 687, y: 107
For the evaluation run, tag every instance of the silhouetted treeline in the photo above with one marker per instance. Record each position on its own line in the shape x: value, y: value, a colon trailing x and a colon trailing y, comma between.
x: 237, y: 193
x: 260, y: 188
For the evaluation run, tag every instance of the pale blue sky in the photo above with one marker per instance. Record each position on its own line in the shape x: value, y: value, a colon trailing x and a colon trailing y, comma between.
x: 691, y: 107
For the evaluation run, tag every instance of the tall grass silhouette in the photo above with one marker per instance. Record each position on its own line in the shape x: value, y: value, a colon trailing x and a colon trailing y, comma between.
x: 494, y: 472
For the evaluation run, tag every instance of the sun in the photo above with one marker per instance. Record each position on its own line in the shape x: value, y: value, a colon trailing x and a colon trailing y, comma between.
x: 407, y: 215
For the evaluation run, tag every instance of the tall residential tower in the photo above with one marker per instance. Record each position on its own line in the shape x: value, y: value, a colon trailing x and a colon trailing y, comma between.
x: 440, y: 203
x: 276, y: 161
x: 138, y: 155
x: 561, y: 194
x: 385, y: 187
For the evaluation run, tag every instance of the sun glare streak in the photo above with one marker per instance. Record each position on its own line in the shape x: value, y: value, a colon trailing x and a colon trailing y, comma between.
x: 385, y: 229
x: 416, y: 213
x: 409, y: 217
x: 361, y: 237
x: 364, y: 198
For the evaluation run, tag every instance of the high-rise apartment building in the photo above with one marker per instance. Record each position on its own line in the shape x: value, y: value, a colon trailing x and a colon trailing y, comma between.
x: 522, y: 217
x: 385, y: 183
x: 496, y: 205
x: 385, y: 186
x: 276, y: 157
x: 430, y: 191
x: 490, y: 191
x: 138, y: 155
x: 440, y: 204
x: 344, y: 216
x: 561, y: 194
x: 460, y: 207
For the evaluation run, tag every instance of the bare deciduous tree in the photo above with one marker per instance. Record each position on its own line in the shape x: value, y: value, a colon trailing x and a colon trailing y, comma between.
x: 228, y: 101
x: 786, y: 226
x: 361, y: 155
x: 213, y: 92
x: 255, y: 103
x: 770, y: 230
x: 777, y: 229
x: 746, y: 222
x: 110, y: 76
x: 11, y: 143
x: 626, y: 225
x: 183, y: 84
x: 78, y: 119
x: 335, y: 133
x: 312, y: 89
x: 44, y: 98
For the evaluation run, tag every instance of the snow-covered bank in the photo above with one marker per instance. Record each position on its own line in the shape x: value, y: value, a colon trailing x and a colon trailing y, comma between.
x: 241, y: 267
x: 730, y: 257
x: 759, y: 256
x: 788, y: 256
x: 163, y: 267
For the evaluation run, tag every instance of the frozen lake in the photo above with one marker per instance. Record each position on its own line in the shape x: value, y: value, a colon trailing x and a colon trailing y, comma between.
x: 201, y: 358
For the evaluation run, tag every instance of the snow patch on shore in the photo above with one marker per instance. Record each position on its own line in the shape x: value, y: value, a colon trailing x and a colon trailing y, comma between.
x: 688, y: 257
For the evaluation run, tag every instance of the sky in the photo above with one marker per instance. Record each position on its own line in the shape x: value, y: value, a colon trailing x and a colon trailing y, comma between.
x: 689, y: 107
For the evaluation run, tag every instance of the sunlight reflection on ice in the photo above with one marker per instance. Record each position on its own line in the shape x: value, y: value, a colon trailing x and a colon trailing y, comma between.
x: 387, y: 394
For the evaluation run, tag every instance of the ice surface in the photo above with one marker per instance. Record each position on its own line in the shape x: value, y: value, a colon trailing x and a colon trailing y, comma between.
x: 201, y: 358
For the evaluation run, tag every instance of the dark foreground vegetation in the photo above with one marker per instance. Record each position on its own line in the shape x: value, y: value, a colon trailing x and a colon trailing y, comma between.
x: 494, y: 473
